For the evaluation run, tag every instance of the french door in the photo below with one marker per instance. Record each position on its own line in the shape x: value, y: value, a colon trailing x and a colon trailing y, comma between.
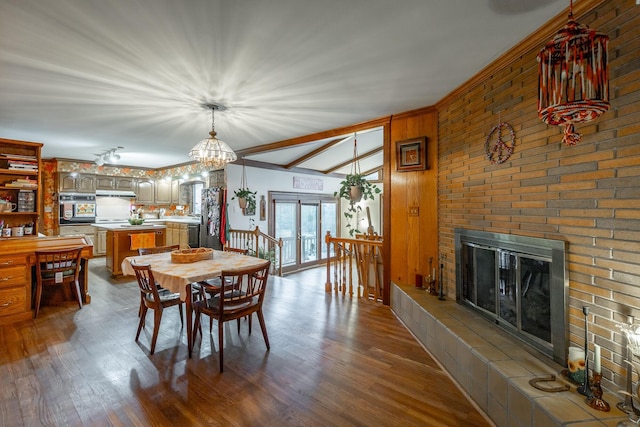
x: 302, y: 220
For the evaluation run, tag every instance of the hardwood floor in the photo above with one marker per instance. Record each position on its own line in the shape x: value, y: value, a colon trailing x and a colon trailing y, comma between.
x: 333, y: 361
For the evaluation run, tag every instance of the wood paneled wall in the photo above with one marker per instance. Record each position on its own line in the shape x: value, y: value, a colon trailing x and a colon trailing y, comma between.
x: 413, y: 239
x: 587, y: 195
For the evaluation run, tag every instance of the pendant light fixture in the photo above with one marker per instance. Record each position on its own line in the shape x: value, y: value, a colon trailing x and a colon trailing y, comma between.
x: 211, y: 151
x: 573, y: 78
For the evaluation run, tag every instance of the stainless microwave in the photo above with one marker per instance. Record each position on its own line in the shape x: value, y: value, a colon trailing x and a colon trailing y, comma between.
x: 77, y: 208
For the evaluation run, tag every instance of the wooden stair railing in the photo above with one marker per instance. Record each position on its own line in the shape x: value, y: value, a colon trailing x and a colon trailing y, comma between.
x: 258, y: 244
x: 365, y: 252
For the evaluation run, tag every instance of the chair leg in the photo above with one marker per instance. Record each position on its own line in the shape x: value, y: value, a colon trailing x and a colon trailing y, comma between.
x: 157, y: 318
x: 263, y: 326
x: 250, y: 316
x: 238, y: 322
x: 143, y: 315
x: 181, y: 316
x: 220, y: 343
x: 76, y: 290
x: 38, y: 298
x: 196, y: 326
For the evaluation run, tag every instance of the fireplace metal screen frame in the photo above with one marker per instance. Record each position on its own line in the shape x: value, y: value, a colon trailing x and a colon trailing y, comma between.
x: 559, y: 281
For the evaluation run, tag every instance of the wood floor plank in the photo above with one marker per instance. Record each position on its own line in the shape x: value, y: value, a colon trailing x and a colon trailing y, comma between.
x: 333, y: 361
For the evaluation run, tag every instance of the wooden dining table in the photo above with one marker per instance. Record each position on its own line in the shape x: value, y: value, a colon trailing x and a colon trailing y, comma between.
x: 178, y: 277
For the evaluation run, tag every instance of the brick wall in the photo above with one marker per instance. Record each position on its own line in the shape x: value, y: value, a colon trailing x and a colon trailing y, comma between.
x: 587, y: 195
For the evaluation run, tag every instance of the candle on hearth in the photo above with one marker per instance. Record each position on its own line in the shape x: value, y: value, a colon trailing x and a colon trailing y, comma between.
x: 596, y: 359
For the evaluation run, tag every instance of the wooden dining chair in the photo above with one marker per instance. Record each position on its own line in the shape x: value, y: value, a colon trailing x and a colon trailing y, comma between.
x: 59, y: 267
x: 155, y: 250
x: 153, y: 300
x: 243, y: 295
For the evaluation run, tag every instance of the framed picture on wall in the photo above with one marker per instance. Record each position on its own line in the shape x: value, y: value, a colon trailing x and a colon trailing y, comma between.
x: 411, y: 154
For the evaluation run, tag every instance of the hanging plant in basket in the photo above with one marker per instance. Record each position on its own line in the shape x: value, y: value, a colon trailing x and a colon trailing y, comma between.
x: 246, y: 197
x: 354, y: 188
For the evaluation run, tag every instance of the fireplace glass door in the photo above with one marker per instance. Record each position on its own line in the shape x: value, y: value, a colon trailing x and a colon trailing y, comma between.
x: 511, y: 288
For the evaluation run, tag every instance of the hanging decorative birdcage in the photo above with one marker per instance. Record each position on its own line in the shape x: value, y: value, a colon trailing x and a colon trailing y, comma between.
x: 573, y: 78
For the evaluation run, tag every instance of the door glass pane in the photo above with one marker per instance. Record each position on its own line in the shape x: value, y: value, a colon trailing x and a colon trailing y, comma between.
x: 536, y: 297
x: 285, y: 218
x: 309, y: 232
x: 485, y: 279
x: 508, y: 287
x: 329, y: 215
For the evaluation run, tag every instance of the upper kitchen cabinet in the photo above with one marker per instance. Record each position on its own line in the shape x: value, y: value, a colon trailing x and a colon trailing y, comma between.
x: 122, y: 183
x: 175, y: 192
x: 72, y: 182
x: 163, y: 191
x: 125, y: 183
x: 105, y: 182
x: 145, y: 190
x: 19, y: 183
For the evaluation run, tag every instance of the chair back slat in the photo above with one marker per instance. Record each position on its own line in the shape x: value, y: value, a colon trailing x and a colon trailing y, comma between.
x: 146, y: 283
x: 244, y: 285
x: 58, y: 266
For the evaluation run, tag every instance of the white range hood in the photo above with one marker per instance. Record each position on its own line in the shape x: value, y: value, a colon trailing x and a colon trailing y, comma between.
x: 116, y: 193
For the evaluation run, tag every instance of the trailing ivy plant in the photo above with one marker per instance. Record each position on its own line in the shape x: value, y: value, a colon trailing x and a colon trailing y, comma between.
x: 368, y: 191
x: 248, y: 195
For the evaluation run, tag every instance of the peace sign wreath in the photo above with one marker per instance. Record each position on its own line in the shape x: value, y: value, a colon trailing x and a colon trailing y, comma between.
x: 497, y: 149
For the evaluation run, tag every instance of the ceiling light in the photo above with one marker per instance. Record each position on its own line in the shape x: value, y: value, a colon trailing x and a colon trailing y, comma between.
x: 211, y: 151
x: 108, y: 156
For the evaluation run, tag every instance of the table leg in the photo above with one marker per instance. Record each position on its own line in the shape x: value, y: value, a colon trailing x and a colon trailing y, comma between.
x: 189, y: 310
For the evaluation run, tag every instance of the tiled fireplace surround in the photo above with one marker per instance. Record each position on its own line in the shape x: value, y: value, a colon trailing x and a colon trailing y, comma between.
x: 494, y: 368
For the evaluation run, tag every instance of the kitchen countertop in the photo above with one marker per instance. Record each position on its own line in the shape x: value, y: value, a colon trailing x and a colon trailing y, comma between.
x: 149, y: 222
x: 125, y: 226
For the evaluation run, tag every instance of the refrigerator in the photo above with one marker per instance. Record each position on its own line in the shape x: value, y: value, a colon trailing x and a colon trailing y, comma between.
x: 213, y: 220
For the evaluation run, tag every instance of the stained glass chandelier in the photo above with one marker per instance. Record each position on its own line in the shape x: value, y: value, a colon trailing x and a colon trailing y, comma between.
x: 213, y: 152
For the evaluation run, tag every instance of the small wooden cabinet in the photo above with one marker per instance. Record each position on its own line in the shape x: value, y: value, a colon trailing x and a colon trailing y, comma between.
x: 145, y: 190
x: 125, y: 183
x: 78, y: 230
x: 100, y: 244
x: 72, y: 182
x: 163, y: 191
x: 177, y: 234
x: 105, y: 182
x: 175, y: 192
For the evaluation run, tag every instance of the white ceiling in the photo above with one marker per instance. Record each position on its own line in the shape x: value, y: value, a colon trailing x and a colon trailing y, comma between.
x: 83, y: 76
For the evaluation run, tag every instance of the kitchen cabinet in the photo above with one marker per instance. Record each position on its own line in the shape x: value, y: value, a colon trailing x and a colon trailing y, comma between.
x: 100, y: 244
x: 105, y: 182
x: 125, y: 183
x: 163, y: 191
x: 72, y: 182
x: 175, y: 192
x: 79, y: 230
x: 177, y: 234
x: 19, y: 183
x: 145, y: 191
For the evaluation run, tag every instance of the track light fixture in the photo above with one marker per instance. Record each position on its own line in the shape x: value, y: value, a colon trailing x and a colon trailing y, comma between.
x: 108, y: 156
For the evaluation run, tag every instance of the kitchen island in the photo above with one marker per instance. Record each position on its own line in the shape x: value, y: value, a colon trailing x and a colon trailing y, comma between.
x: 123, y: 240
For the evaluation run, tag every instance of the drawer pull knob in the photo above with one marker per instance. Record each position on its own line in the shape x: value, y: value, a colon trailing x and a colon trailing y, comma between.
x: 6, y: 263
x: 6, y: 304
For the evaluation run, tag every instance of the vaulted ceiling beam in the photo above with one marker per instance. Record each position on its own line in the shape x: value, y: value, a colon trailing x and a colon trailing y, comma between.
x: 360, y: 157
x: 315, y: 152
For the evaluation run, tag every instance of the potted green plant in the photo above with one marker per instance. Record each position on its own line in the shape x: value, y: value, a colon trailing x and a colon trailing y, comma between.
x: 246, y: 198
x: 354, y: 188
